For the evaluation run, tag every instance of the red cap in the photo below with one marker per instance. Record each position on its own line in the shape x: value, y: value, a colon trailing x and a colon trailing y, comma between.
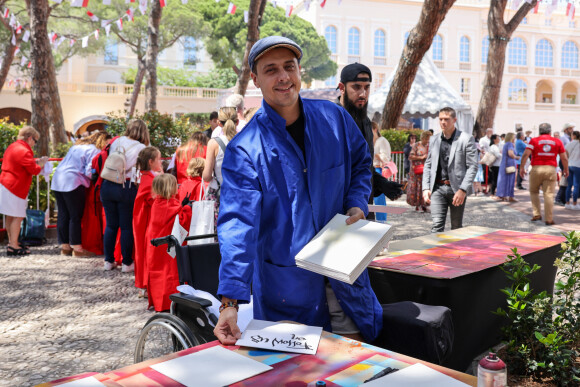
x: 492, y: 362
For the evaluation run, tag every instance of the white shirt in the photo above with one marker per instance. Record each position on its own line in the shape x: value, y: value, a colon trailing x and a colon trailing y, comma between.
x: 218, y: 165
x: 241, y: 124
x: 75, y: 169
x: 132, y: 149
x: 573, y: 149
x: 218, y: 131
x: 383, y: 151
x: 484, y: 143
x: 494, y: 149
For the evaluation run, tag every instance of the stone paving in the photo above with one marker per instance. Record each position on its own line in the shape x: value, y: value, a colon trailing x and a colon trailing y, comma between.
x: 61, y: 316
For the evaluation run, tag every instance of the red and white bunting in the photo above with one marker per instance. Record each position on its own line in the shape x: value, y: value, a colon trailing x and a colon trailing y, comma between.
x: 85, y: 42
x: 307, y: 5
x: 322, y: 3
x: 72, y: 42
x: 26, y: 36
x: 537, y: 7
x: 106, y: 2
x: 13, y: 21
x: 274, y: 4
x: 289, y: 9
x: 23, y: 61
x: 120, y: 24
x: 85, y: 3
x: 52, y: 37
x: 16, y: 51
x: 572, y: 12
x: 59, y: 41
x: 96, y: 33
x: 92, y: 16
x: 246, y: 16
x: 231, y: 8
x: 183, y: 2
x: 18, y: 29
x: 6, y: 13
x: 516, y: 4
x: 130, y: 12
x: 76, y: 3
x: 13, y: 40
x: 162, y: 3
x: 29, y: 65
x: 108, y: 29
x: 143, y: 6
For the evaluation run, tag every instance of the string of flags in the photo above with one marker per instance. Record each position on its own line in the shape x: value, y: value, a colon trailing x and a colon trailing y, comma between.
x: 551, y: 6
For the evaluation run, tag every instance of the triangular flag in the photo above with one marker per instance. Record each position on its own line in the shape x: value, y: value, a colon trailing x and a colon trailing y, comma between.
x: 76, y: 3
x: 96, y: 33
x: 143, y: 6
x: 322, y: 3
x: 120, y: 24
x: 29, y: 65
x: 130, y: 12
x: 53, y: 37
x: 85, y: 3
x: 13, y: 40
x: 105, y: 22
x: 72, y: 42
x: 289, y: 9
x: 184, y: 2
x: 162, y: 3
x: 106, y: 2
x: 13, y: 21
x: 231, y: 8
x: 85, y: 42
x: 92, y: 16
x: 537, y: 6
x: 529, y: 1
x: 6, y: 13
x: 16, y: 51
x: 108, y: 29
x: 59, y: 41
x: 18, y: 29
x: 572, y: 12
x: 274, y: 4
x: 516, y: 4
x: 26, y: 36
x: 246, y: 16
x: 57, y: 1
x: 23, y: 61
x: 307, y: 5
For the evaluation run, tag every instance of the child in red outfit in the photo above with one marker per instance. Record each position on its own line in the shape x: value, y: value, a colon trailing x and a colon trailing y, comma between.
x: 148, y: 165
x: 161, y: 268
x: 193, y: 185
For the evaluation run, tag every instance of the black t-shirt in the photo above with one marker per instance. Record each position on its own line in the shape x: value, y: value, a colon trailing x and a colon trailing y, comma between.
x: 297, y: 129
x: 444, y: 151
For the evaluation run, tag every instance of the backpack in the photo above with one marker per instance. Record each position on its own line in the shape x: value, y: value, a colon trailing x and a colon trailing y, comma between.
x: 33, y: 228
x: 99, y: 161
x: 116, y: 165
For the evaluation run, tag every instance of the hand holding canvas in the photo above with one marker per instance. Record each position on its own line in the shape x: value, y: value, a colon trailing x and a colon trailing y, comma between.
x: 354, y: 214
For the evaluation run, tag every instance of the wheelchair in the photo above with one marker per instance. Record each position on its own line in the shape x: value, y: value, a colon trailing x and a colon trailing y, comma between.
x: 189, y: 322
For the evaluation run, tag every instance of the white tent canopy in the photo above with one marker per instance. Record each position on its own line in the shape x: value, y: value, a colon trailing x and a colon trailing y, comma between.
x: 429, y: 93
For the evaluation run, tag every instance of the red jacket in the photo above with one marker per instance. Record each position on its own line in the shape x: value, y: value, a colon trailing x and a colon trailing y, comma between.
x: 191, y: 187
x: 18, y: 167
x: 163, y: 277
x: 181, y: 166
x: 141, y: 215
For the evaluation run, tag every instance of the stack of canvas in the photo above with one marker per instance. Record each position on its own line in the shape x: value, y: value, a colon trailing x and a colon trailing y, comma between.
x: 342, y: 251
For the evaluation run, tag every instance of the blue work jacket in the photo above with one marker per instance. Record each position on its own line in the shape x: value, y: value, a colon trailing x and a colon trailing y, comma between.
x: 273, y: 201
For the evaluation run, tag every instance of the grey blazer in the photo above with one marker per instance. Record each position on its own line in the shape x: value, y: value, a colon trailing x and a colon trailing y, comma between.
x: 462, y: 163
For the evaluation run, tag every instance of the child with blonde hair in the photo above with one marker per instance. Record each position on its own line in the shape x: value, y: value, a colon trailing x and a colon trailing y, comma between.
x: 193, y: 185
x: 148, y: 166
x: 162, y: 275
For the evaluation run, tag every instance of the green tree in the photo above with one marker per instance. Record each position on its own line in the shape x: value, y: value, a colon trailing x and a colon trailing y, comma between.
x: 227, y: 41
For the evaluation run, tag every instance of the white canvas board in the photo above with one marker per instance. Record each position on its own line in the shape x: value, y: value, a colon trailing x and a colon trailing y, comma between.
x: 282, y: 337
x: 340, y: 247
x: 416, y: 375
x: 179, y: 233
x: 212, y: 367
x: 91, y: 381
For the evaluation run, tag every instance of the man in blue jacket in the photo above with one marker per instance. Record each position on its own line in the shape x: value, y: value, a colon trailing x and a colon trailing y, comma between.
x: 295, y: 165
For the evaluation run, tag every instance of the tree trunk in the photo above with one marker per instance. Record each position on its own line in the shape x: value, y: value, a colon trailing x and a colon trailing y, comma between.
x: 499, y: 36
x: 57, y: 128
x: 42, y: 65
x: 254, y: 18
x: 151, y: 57
x: 7, y: 60
x: 420, y: 38
x: 136, y: 86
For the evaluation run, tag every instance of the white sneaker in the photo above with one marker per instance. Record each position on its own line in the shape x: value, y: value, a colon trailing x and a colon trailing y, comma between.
x: 576, y: 207
x: 128, y: 268
x: 110, y: 265
x: 569, y: 206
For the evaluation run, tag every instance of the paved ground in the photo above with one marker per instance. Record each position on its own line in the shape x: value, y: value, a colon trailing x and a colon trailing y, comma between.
x: 61, y: 316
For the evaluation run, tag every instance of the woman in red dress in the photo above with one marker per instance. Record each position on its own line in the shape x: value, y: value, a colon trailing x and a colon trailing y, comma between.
x: 417, y: 158
x: 163, y: 277
x: 148, y: 165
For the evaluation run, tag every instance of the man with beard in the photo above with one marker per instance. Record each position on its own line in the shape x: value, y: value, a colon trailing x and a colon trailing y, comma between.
x: 355, y: 87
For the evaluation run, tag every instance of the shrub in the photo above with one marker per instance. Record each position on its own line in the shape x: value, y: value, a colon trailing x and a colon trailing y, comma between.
x: 398, y: 138
x: 165, y: 132
x: 543, y: 332
x: 8, y: 134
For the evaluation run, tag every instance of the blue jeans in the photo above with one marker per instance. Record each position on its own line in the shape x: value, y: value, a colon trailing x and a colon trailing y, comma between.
x: 118, y: 204
x: 441, y: 200
x: 573, y: 180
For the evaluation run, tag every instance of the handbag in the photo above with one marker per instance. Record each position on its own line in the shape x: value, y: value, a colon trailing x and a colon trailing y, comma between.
x: 202, y: 221
x: 418, y: 169
x: 510, y: 170
x: 389, y: 169
x: 488, y: 159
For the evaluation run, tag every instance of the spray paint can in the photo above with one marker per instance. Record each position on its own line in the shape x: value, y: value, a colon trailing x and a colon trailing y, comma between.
x: 491, y: 372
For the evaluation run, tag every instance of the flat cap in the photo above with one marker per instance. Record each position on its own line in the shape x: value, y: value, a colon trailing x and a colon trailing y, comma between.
x: 264, y: 45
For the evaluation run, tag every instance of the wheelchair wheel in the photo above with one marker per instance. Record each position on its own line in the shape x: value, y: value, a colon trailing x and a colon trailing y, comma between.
x: 163, y: 334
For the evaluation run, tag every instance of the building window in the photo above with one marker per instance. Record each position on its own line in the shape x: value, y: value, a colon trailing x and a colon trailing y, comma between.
x: 111, y: 53
x: 518, y: 91
x: 484, y: 49
x: 330, y: 35
x: 464, y: 49
x: 569, y: 55
x: 544, y: 54
x: 571, y: 24
x: 353, y: 41
x: 380, y: 43
x: 437, y: 47
x: 381, y: 78
x: 517, y: 52
x: 525, y: 20
x: 570, y: 99
x: 547, y: 22
x: 331, y: 81
x: 189, y: 50
x: 465, y: 85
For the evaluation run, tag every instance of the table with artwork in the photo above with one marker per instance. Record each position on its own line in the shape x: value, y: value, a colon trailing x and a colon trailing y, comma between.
x: 338, y: 362
x: 460, y: 269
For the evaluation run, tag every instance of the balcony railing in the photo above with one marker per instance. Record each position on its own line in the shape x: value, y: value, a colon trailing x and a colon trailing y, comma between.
x: 544, y: 71
x: 439, y: 63
x: 464, y: 66
x: 545, y: 106
x: 353, y: 58
x: 380, y: 61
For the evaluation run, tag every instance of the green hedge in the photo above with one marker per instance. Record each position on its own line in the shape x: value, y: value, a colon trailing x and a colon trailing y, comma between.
x: 398, y: 138
x: 8, y: 134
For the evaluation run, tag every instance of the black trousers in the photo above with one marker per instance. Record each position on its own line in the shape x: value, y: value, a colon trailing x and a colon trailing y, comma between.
x: 71, y: 206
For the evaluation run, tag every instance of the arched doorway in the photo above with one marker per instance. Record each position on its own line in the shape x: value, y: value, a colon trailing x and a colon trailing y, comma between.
x: 15, y: 115
x: 90, y: 124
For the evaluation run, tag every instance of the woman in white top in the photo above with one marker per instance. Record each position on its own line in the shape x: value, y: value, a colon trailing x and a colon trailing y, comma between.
x: 118, y: 199
x: 494, y: 169
x: 69, y: 183
x: 382, y: 148
x: 212, y: 171
x: 573, y: 152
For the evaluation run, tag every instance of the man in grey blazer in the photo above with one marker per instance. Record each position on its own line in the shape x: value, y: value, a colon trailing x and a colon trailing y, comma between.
x: 449, y: 171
